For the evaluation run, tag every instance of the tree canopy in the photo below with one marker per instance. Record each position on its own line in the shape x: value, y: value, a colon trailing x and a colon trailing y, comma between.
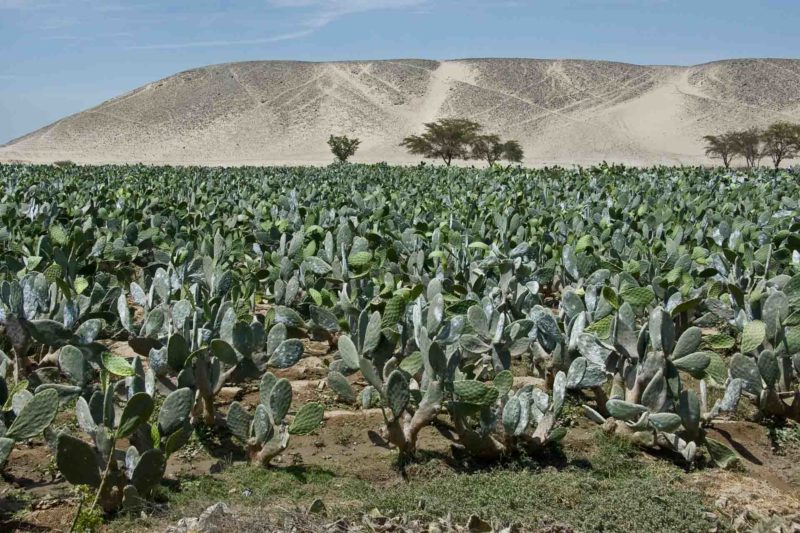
x: 343, y: 147
x: 492, y: 149
x: 456, y: 138
x: 781, y: 141
x: 448, y: 139
x: 721, y: 147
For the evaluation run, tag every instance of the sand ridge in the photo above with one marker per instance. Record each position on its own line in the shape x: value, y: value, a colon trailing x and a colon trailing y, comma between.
x: 562, y: 111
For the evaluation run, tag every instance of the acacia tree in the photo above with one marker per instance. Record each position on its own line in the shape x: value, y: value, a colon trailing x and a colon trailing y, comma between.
x: 492, y: 149
x: 448, y: 139
x: 512, y: 151
x: 343, y: 147
x: 720, y: 147
x: 747, y: 144
x: 781, y: 141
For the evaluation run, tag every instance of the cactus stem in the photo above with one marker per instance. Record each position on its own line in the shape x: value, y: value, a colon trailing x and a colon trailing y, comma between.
x: 110, y: 464
x: 600, y: 398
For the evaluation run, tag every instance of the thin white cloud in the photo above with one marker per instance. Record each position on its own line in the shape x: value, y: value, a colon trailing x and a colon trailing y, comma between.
x: 316, y: 15
x: 212, y: 44
x: 323, y: 12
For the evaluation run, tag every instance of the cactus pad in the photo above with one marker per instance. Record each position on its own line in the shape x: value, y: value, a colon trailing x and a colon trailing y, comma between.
x: 74, y: 365
x: 6, y: 445
x: 475, y: 392
x: 559, y: 391
x: 720, y: 454
x: 397, y: 392
x: 667, y: 422
x: 175, y: 410
x: 287, y: 353
x: 503, y: 382
x: 307, y: 419
x: 177, y: 352
x: 511, y: 414
x: 746, y: 369
x: 693, y: 364
x: 238, y: 421
x: 280, y: 399
x: 135, y: 413
x: 117, y: 365
x: 149, y: 471
x: 339, y: 384
x: 288, y: 317
x: 582, y: 374
x: 623, y: 410
x: 262, y: 427
x: 769, y: 368
x: 753, y: 335
x: 688, y: 342
x: 348, y: 352
x: 37, y: 414
x: 77, y: 461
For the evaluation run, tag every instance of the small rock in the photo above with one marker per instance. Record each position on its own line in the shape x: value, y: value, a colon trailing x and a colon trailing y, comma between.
x: 740, y: 523
x: 476, y: 524
x: 309, y: 367
x: 184, y: 524
x: 318, y: 507
x: 229, y: 394
x: 214, y: 519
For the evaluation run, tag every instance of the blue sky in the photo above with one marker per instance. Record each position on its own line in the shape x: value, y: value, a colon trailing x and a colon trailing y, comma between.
x: 58, y: 57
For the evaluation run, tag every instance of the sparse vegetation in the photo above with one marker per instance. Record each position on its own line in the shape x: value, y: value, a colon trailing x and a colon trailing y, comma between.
x: 747, y: 144
x: 492, y: 149
x: 721, y: 147
x: 447, y: 139
x: 779, y: 142
x: 642, y: 496
x: 343, y: 147
x: 450, y: 138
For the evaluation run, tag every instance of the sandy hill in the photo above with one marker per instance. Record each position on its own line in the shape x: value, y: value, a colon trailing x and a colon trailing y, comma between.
x: 562, y: 111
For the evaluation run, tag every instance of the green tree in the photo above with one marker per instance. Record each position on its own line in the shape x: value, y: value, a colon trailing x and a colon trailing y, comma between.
x: 448, y: 139
x: 492, y: 149
x: 721, y: 147
x: 343, y: 147
x: 747, y: 144
x: 512, y: 151
x: 781, y: 141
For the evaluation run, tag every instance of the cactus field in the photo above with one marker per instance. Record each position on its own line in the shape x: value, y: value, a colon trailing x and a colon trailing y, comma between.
x: 409, y: 344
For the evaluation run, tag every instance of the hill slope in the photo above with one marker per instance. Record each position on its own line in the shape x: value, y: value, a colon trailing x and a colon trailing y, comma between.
x: 562, y: 111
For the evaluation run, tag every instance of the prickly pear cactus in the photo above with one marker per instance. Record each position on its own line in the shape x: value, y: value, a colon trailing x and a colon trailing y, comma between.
x: 266, y: 432
x: 124, y: 484
x: 34, y: 414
